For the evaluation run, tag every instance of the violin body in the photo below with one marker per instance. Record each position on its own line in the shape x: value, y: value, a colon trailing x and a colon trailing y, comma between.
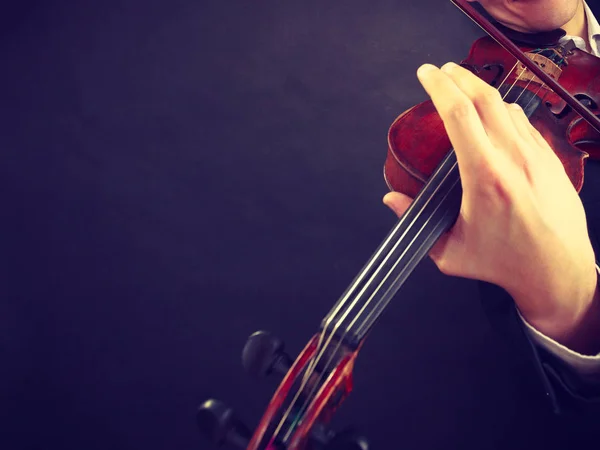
x: 421, y: 163
x: 409, y: 163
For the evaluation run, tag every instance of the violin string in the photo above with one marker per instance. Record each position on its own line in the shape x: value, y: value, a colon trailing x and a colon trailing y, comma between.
x: 514, y: 82
x: 320, y: 346
x: 365, y: 270
x: 381, y: 283
x: 398, y: 261
x: 366, y: 320
x: 526, y: 89
x: 314, y: 361
x: 372, y: 311
x: 535, y: 95
x: 523, y: 90
x: 311, y: 367
x: 348, y: 310
x: 323, y: 346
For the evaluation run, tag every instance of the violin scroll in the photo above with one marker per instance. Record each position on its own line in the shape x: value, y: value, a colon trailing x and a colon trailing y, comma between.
x: 220, y: 424
x: 263, y: 355
x: 312, y: 389
x: 557, y: 86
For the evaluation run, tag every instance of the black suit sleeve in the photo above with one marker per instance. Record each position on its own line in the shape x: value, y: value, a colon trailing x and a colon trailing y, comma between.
x: 566, y: 390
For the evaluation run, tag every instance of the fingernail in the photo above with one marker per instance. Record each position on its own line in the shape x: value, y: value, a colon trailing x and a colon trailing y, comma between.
x: 449, y: 66
x: 425, y: 69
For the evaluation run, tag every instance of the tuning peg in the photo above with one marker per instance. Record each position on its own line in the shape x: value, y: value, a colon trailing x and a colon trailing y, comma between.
x: 263, y: 354
x: 219, y: 423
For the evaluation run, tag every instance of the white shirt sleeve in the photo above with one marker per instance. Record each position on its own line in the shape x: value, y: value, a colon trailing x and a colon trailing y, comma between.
x: 584, y: 364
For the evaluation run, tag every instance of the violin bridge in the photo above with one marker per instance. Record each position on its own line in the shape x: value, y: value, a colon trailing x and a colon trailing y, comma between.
x: 544, y: 63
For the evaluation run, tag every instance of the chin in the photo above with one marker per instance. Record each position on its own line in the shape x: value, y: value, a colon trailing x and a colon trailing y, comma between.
x: 532, y: 15
x: 549, y: 20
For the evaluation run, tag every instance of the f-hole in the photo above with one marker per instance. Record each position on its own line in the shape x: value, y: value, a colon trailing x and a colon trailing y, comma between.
x: 582, y: 98
x: 499, y: 68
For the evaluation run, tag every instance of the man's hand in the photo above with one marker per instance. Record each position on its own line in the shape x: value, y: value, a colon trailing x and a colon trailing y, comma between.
x: 522, y: 225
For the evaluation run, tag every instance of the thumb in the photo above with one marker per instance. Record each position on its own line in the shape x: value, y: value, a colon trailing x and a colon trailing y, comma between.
x: 397, y: 202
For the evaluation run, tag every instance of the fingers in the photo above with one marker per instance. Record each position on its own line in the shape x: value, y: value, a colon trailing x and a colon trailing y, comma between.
x: 461, y: 119
x: 488, y: 102
x: 527, y: 131
x: 480, y: 125
x: 521, y: 123
x: 538, y: 138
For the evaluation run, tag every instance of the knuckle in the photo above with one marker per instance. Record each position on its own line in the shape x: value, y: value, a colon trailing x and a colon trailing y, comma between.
x: 496, y: 192
x: 459, y: 109
x: 494, y: 188
x: 513, y: 143
x: 488, y: 97
x: 529, y: 168
x: 517, y: 112
x: 486, y: 170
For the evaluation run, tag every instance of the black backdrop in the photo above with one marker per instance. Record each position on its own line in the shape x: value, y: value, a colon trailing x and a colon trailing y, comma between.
x: 178, y: 174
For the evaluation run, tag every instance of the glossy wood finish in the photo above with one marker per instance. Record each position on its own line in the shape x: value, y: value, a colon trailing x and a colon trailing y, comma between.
x: 281, y: 394
x: 330, y: 393
x: 330, y: 396
x: 418, y: 143
x: 417, y: 140
x: 508, y: 44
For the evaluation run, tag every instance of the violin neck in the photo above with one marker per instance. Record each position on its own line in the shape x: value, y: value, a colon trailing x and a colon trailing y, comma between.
x: 433, y: 212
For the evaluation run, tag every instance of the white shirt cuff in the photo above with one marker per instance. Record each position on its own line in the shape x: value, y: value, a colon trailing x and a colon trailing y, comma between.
x: 584, y: 364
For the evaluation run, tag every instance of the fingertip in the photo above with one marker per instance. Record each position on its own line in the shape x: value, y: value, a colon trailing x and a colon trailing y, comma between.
x: 426, y: 69
x: 387, y: 198
x: 449, y: 67
x: 392, y: 198
x: 397, y: 202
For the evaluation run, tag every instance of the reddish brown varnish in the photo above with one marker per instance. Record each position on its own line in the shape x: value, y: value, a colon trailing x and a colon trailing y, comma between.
x: 282, y: 391
x: 328, y: 398
x: 417, y: 140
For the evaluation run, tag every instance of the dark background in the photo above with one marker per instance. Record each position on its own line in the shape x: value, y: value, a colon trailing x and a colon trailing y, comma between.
x: 178, y: 174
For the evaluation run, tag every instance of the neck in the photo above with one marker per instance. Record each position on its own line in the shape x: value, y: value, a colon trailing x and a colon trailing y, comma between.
x: 578, y: 25
x: 433, y: 212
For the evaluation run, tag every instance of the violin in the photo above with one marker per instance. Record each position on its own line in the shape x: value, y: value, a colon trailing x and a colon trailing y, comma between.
x: 558, y: 87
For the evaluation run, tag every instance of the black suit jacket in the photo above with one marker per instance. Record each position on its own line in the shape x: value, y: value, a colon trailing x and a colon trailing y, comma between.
x: 567, y: 392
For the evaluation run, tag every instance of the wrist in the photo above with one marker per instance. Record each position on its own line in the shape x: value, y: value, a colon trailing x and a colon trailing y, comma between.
x: 584, y: 336
x: 569, y: 316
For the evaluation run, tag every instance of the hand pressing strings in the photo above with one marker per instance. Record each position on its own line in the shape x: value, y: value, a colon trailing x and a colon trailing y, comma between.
x: 522, y: 225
